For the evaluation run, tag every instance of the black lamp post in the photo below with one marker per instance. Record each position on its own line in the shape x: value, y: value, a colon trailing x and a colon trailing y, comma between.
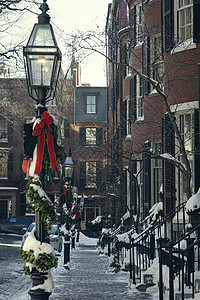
x: 42, y: 59
x: 67, y: 171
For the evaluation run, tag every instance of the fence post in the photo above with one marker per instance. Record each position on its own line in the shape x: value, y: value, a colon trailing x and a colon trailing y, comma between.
x: 159, y: 242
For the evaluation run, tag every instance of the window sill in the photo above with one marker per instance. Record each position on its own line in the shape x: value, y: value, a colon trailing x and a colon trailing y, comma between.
x: 128, y: 138
x: 138, y: 45
x: 90, y: 187
x: 3, y: 178
x: 186, y: 45
x: 140, y: 120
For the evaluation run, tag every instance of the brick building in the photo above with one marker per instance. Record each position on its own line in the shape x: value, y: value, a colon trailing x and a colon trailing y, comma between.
x: 18, y: 109
x: 160, y: 40
x: 90, y: 148
x: 80, y: 112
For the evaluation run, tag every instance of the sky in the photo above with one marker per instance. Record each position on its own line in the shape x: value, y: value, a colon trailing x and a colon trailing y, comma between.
x: 82, y: 15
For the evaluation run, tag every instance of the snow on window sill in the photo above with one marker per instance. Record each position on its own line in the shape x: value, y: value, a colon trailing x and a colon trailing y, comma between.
x: 186, y: 45
x: 140, y: 119
x: 128, y: 137
x: 91, y: 186
x: 153, y: 92
x: 3, y: 178
x: 138, y: 45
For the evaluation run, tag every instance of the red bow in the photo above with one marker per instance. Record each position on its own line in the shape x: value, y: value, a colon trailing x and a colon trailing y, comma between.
x: 68, y: 188
x: 46, y: 120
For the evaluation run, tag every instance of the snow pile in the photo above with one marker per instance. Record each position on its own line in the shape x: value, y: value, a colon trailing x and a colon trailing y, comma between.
x: 86, y: 241
x: 193, y: 203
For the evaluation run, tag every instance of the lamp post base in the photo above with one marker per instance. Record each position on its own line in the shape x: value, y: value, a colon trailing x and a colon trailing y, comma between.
x: 66, y: 252
x: 38, y: 279
x: 39, y: 294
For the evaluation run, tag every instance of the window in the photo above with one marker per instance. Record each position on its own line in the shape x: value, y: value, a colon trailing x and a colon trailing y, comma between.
x: 184, y: 20
x: 3, y: 130
x: 156, y: 59
x: 186, y: 125
x: 91, y: 136
x: 140, y: 100
x: 65, y: 128
x: 91, y: 174
x: 91, y: 105
x: 139, y: 23
x: 157, y: 173
x: 3, y: 165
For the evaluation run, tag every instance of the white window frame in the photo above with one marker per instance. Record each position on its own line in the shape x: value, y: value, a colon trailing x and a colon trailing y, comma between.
x: 156, y: 58
x: 139, y: 97
x: 139, y: 23
x: 3, y: 130
x: 91, y: 136
x: 91, y: 107
x: 185, y: 122
x: 4, y: 165
x: 91, y: 170
x: 183, y: 27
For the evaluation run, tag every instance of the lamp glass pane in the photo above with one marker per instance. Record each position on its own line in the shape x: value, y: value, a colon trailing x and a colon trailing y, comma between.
x: 40, y: 69
x: 68, y: 171
x: 41, y: 36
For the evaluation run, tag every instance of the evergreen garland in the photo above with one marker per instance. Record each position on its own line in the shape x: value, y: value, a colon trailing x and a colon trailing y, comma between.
x: 42, y: 204
x: 44, y: 262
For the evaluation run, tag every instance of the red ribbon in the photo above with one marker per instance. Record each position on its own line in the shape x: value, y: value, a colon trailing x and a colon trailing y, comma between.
x: 68, y: 188
x: 46, y: 120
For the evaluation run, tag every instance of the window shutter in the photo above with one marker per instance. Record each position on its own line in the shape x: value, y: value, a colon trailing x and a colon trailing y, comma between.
x: 168, y: 24
x: 124, y: 188
x: 117, y: 83
x: 169, y: 170
x: 133, y: 188
x: 132, y: 102
x: 99, y: 136
x: 133, y: 27
x: 146, y: 63
x: 82, y: 175
x: 82, y: 136
x: 124, y: 118
x: 197, y: 151
x: 146, y: 179
x: 66, y: 128
x: 99, y: 178
x: 10, y: 132
x: 10, y: 166
x: 196, y: 18
x: 123, y: 57
x: 22, y: 204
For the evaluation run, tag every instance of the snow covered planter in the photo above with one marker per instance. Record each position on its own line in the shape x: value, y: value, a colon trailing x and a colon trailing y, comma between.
x: 40, y: 256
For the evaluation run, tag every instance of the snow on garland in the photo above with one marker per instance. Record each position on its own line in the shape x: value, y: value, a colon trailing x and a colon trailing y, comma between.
x: 37, y: 195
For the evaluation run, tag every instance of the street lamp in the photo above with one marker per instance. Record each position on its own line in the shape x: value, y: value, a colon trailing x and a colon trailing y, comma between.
x: 68, y: 166
x: 67, y: 172
x: 42, y: 59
